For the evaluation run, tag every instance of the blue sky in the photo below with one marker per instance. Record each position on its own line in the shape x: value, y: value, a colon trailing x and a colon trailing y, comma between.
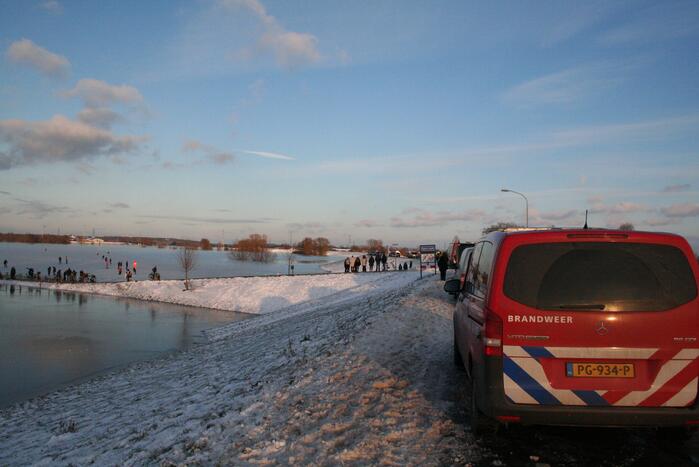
x: 392, y: 120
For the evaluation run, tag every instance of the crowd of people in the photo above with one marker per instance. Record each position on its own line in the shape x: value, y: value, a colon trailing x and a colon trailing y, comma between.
x: 376, y: 262
x: 54, y: 274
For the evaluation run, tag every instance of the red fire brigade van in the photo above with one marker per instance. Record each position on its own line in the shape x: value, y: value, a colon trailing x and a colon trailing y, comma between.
x: 580, y: 327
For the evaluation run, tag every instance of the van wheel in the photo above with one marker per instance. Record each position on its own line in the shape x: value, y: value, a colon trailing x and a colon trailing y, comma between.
x: 458, y: 361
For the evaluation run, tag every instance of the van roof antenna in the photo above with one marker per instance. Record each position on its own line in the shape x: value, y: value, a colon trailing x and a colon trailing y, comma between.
x: 585, y: 226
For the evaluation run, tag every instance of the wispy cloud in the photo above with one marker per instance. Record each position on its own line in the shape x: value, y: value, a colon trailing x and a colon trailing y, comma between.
x: 38, y: 209
x: 367, y: 223
x: 290, y: 49
x: 119, y: 205
x: 551, y: 217
x: 98, y: 94
x: 52, y: 6
x: 576, y: 18
x: 623, y: 207
x: 677, y: 188
x: 422, y: 218
x: 26, y: 52
x: 309, y: 228
x: 681, y: 210
x: 569, y: 85
x: 208, y: 220
x: 659, y: 22
x: 209, y: 153
x: 269, y: 155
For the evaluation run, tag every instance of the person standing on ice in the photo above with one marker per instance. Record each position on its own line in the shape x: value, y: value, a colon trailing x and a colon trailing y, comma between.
x: 134, y: 267
x: 347, y: 264
x: 442, y: 264
x: 384, y: 259
x: 352, y: 263
x: 371, y: 263
x: 357, y: 263
x: 364, y: 263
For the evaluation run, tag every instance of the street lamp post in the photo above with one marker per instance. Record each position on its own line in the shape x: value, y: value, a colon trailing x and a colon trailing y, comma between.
x: 526, y: 203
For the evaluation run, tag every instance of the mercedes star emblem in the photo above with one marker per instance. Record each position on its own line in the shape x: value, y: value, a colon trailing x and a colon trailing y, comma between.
x: 601, y: 328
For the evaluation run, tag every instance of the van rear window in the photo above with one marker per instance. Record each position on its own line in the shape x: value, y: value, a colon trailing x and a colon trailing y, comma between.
x: 599, y: 276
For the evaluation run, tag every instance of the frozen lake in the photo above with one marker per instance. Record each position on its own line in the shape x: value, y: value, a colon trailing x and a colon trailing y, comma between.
x: 49, y: 339
x: 89, y: 258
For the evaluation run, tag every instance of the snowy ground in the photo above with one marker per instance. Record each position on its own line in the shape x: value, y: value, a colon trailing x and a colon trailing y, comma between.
x: 342, y: 379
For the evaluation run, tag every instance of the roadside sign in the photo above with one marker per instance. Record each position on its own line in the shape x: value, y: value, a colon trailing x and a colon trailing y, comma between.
x: 427, y: 258
x: 428, y: 249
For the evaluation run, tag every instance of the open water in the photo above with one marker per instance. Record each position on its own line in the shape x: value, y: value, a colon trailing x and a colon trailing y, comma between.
x: 51, y: 338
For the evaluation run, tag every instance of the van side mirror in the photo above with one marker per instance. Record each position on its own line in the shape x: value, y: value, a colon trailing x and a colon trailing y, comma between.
x: 452, y: 286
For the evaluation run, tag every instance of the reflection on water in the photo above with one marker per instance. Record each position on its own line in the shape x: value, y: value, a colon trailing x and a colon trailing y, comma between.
x: 50, y: 338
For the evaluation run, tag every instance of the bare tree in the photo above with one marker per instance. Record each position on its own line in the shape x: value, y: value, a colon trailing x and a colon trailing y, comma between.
x: 253, y: 248
x: 627, y: 226
x: 374, y: 245
x: 187, y: 259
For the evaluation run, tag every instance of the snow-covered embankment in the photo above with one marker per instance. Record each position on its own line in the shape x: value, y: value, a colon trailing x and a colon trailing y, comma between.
x: 256, y: 295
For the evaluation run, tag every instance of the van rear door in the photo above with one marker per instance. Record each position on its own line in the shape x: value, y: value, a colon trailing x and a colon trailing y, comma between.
x: 598, y: 321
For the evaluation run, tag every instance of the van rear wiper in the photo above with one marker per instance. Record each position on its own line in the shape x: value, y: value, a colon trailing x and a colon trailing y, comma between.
x: 584, y: 306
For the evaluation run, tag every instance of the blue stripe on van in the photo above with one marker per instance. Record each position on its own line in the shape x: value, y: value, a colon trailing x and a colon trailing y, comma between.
x: 538, y: 352
x: 527, y: 383
x: 591, y: 397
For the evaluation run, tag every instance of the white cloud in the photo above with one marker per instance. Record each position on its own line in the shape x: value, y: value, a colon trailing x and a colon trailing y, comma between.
x: 270, y: 155
x: 28, y: 53
x: 290, y: 49
x: 58, y: 139
x: 96, y: 94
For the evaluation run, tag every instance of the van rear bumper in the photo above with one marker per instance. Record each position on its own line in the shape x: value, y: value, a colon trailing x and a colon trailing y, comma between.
x: 495, y: 404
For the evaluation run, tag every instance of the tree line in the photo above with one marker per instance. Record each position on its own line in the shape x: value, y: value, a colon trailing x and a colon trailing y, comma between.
x: 34, y: 238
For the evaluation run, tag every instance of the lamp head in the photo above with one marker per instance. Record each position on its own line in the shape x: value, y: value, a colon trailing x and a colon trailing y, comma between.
x: 504, y: 190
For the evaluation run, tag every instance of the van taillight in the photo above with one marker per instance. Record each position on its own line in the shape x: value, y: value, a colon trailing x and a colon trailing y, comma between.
x: 493, y: 334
